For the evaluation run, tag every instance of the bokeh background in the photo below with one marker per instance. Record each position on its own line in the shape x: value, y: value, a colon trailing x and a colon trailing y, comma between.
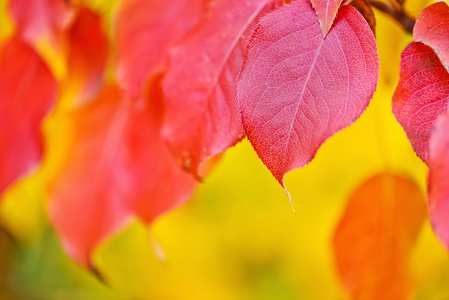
x: 237, y: 238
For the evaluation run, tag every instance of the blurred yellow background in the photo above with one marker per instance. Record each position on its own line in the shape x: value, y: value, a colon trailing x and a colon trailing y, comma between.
x: 237, y: 238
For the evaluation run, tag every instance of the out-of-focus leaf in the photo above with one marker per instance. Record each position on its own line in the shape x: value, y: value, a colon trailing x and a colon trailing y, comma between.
x: 422, y: 92
x: 137, y: 276
x: 40, y: 19
x: 376, y: 235
x: 144, y: 29
x: 421, y: 95
x: 41, y: 270
x: 27, y: 91
x: 85, y: 207
x: 107, y: 9
x: 42, y: 23
x: 129, y: 171
x: 202, y: 118
x: 88, y: 50
x: 438, y: 179
x: 6, y: 261
x: 432, y: 29
x: 296, y: 89
x: 326, y: 11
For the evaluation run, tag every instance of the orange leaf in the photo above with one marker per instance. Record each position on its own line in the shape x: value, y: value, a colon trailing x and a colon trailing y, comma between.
x: 117, y: 167
x: 375, y: 237
x: 27, y: 91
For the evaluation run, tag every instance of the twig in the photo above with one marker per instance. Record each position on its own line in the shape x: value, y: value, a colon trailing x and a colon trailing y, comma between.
x: 398, y: 14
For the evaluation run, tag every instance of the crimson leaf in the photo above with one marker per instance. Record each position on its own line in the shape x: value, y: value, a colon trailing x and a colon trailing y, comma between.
x: 432, y: 29
x: 202, y: 118
x: 421, y: 95
x: 27, y: 91
x: 88, y: 53
x: 144, y: 29
x: 297, y: 89
x: 365, y: 9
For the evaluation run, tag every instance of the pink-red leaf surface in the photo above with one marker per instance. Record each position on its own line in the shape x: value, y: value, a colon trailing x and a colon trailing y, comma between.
x: 37, y: 19
x: 366, y: 11
x: 27, y: 91
x: 376, y: 235
x: 144, y: 29
x: 116, y: 167
x: 88, y: 55
x: 438, y: 184
x: 432, y: 29
x: 296, y: 89
x: 421, y: 95
x: 202, y: 118
x: 326, y: 11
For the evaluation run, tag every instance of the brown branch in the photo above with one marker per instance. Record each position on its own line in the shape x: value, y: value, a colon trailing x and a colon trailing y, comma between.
x: 397, y: 13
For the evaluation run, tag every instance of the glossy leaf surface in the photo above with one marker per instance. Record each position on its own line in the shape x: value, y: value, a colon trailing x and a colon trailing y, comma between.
x: 202, y: 118
x: 130, y: 171
x: 326, y: 11
x: 421, y: 95
x: 144, y: 29
x: 296, y: 89
x: 438, y: 185
x: 432, y: 29
x: 27, y: 92
x: 376, y: 235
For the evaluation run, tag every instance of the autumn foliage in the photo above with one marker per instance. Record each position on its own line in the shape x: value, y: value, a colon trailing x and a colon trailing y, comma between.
x: 125, y: 123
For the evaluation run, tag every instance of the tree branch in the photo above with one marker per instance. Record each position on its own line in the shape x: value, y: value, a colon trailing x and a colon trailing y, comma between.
x: 397, y: 13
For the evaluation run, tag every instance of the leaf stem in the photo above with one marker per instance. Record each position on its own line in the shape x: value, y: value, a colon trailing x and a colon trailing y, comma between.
x: 398, y: 13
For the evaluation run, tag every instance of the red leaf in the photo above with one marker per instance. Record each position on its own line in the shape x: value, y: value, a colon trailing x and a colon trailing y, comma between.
x: 27, y: 90
x: 202, y: 118
x: 376, y: 235
x: 144, y: 30
x: 88, y: 55
x: 326, y: 11
x: 366, y: 11
x: 296, y: 89
x: 432, y: 28
x: 129, y: 171
x: 438, y: 184
x: 37, y: 19
x: 421, y: 95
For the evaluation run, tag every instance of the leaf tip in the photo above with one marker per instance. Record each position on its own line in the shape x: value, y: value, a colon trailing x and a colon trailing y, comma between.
x: 157, y: 248
x: 288, y: 195
x: 98, y: 275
